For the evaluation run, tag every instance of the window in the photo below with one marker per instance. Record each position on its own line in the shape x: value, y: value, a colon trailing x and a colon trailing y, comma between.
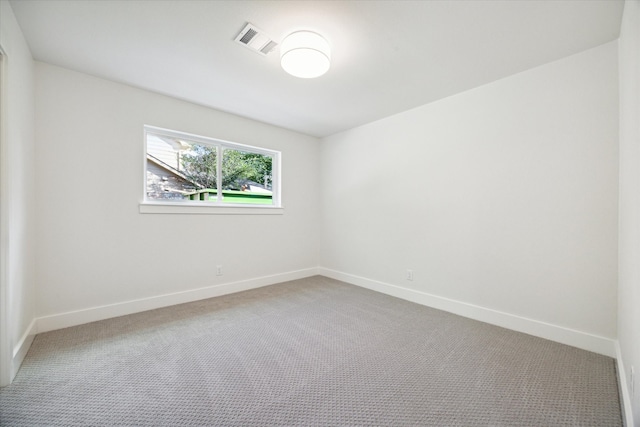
x: 191, y: 170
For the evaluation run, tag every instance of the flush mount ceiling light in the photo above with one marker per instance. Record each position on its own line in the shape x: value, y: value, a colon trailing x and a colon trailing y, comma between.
x: 305, y: 54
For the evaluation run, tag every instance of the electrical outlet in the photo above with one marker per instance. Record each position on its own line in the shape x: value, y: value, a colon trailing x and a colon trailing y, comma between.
x: 218, y: 270
x: 632, y: 379
x: 410, y: 275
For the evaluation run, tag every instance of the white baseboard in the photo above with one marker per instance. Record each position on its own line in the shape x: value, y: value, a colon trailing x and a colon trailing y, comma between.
x: 624, y: 389
x: 79, y: 317
x: 583, y: 340
x: 22, y: 347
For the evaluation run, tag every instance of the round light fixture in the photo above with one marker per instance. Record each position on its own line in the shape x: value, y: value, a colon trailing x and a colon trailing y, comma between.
x: 305, y: 54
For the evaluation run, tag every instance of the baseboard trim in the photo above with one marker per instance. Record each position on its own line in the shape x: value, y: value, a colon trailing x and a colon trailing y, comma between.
x: 627, y: 412
x: 79, y: 317
x: 22, y: 347
x: 583, y: 340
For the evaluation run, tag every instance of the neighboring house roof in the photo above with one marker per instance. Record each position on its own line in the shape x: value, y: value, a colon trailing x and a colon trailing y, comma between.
x: 171, y: 170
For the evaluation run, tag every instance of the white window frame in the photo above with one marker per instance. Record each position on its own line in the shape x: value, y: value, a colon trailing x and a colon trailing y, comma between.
x: 211, y: 207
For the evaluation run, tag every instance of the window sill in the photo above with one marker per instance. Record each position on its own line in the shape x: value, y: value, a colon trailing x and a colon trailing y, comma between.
x: 207, y: 209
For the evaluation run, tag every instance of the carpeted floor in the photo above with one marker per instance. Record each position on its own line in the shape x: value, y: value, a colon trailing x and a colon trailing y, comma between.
x: 311, y: 352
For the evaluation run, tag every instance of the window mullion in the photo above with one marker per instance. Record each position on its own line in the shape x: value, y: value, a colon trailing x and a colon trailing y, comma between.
x: 219, y: 174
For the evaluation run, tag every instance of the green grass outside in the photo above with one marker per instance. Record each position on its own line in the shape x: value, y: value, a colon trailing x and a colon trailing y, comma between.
x: 233, y: 196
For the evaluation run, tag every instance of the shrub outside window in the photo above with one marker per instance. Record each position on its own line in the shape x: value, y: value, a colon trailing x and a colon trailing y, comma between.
x: 189, y: 169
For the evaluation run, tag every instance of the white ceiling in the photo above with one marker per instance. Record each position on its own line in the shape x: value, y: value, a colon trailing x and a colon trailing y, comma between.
x: 387, y: 56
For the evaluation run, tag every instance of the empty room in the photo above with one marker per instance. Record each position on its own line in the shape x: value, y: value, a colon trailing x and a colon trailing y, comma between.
x: 327, y: 213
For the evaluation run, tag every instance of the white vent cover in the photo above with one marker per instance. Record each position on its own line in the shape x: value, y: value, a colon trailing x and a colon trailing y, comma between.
x: 255, y: 39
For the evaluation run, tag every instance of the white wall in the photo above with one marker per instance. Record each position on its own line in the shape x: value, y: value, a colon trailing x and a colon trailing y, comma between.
x: 502, y: 197
x: 95, y: 248
x: 18, y: 185
x: 629, y: 247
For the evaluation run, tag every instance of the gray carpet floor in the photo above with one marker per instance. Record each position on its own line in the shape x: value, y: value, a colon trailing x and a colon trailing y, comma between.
x: 311, y: 352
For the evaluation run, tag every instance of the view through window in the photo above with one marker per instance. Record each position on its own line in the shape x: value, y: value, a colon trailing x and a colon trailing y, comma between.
x: 189, y: 168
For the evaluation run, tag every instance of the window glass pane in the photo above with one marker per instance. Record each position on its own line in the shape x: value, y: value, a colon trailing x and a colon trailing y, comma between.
x: 247, y: 178
x: 179, y: 170
x: 200, y: 164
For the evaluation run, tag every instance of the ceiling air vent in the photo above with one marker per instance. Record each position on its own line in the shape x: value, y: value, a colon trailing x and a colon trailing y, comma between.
x: 255, y: 39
